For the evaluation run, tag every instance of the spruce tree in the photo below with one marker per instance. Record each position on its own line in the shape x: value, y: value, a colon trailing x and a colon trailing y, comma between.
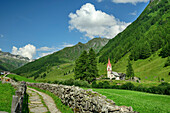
x: 92, y: 71
x: 167, y: 63
x: 80, y: 67
x: 129, y: 71
x: 145, y: 51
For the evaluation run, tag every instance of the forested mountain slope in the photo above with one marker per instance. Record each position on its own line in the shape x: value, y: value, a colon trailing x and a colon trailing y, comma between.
x: 146, y: 42
x: 66, y: 55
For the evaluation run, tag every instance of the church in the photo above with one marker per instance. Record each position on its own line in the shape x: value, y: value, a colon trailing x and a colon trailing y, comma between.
x: 111, y: 74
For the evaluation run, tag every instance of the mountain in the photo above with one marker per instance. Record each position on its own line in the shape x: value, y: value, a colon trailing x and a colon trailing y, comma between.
x: 146, y: 42
x: 72, y: 53
x: 9, y: 62
x: 61, y: 59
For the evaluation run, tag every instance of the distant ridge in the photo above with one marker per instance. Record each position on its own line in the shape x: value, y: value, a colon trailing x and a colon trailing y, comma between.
x: 68, y: 54
x: 9, y: 62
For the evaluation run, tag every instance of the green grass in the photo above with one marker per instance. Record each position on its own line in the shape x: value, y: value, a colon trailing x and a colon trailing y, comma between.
x: 149, y: 70
x: 20, y: 78
x: 57, y: 73
x: 63, y: 108
x: 141, y: 102
x: 6, y: 92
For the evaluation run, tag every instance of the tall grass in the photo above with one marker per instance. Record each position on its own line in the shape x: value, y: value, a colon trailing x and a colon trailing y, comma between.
x: 6, y: 92
x: 20, y: 78
x: 141, y: 102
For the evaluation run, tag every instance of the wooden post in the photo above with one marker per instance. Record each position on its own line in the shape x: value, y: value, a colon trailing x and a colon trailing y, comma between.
x: 14, y: 102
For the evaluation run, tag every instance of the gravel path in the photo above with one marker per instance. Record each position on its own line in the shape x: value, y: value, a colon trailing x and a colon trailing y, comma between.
x: 35, y: 104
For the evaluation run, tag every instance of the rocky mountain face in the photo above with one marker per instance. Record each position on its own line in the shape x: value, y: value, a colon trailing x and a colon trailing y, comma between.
x: 7, y: 54
x: 9, y: 62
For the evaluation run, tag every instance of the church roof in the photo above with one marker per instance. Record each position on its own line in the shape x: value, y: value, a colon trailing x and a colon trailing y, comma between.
x: 109, y: 64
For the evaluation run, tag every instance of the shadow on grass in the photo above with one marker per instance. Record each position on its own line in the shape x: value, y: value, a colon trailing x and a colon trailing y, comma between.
x: 25, y: 108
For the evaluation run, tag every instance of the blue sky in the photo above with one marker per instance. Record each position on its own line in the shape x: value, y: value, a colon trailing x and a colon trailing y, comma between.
x: 35, y: 28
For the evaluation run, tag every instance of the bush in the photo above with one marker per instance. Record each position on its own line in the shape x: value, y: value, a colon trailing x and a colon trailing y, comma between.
x: 72, y: 82
x: 128, y: 85
x: 94, y: 84
x: 106, y: 85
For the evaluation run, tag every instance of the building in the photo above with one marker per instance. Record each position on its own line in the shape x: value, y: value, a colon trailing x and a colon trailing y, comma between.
x: 113, y: 75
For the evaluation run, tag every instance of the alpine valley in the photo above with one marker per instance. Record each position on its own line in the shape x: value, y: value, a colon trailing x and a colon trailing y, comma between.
x: 146, y: 42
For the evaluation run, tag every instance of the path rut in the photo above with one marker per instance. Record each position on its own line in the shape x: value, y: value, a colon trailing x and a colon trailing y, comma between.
x: 36, y: 105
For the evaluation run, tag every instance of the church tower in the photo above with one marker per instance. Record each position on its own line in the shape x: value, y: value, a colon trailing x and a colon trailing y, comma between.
x: 109, y: 69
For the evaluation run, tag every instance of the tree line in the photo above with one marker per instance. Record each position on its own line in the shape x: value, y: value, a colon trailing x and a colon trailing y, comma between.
x: 86, y: 66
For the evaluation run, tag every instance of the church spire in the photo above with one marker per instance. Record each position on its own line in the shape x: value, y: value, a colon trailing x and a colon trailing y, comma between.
x: 109, y: 64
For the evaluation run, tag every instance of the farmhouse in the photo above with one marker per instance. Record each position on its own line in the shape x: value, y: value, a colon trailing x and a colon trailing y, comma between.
x: 114, y: 75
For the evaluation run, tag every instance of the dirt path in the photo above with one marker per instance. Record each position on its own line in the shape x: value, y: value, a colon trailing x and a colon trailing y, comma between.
x: 36, y: 105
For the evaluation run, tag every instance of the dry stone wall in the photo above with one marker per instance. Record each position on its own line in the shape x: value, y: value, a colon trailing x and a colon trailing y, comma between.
x: 83, y: 101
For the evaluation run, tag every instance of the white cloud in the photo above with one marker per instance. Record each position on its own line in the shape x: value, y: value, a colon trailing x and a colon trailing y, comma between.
x: 1, y: 35
x: 45, y: 49
x: 0, y: 49
x: 83, y: 38
x: 94, y: 22
x: 26, y: 51
x: 133, y: 13
x: 99, y: 0
x: 45, y: 54
x: 67, y: 44
x: 129, y: 1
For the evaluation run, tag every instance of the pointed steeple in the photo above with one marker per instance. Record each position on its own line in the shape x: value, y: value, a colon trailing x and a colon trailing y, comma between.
x: 109, y: 64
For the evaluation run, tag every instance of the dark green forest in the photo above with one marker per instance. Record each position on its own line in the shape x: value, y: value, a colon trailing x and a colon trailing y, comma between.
x: 145, y: 36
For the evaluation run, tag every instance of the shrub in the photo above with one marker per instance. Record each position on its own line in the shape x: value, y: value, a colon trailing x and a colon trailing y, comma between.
x: 94, y: 84
x: 106, y: 84
x: 128, y: 85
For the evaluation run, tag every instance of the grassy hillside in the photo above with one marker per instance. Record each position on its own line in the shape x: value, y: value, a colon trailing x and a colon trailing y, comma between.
x: 145, y: 36
x: 141, y: 102
x: 150, y: 69
x: 148, y: 46
x: 56, y: 65
x: 72, y: 53
x: 6, y: 92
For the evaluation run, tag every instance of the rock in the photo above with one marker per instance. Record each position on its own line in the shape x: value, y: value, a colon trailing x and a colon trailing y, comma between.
x: 83, y: 101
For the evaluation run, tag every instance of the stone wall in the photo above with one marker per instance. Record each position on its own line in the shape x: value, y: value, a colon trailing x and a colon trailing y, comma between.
x: 83, y: 101
x: 17, y: 100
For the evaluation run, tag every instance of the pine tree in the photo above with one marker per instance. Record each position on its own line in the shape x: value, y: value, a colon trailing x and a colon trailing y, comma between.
x: 129, y: 71
x: 165, y: 50
x: 167, y: 63
x: 92, y: 71
x: 145, y: 51
x: 80, y: 67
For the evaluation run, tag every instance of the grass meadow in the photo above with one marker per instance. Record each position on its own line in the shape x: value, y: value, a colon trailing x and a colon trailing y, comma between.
x: 20, y: 78
x: 6, y: 92
x: 140, y: 101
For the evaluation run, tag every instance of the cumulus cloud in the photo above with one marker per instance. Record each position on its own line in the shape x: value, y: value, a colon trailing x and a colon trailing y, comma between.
x: 0, y: 49
x: 83, y: 38
x: 45, y: 49
x: 67, y: 44
x: 26, y: 51
x: 129, y: 1
x: 133, y: 13
x: 94, y: 22
x: 1, y: 35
